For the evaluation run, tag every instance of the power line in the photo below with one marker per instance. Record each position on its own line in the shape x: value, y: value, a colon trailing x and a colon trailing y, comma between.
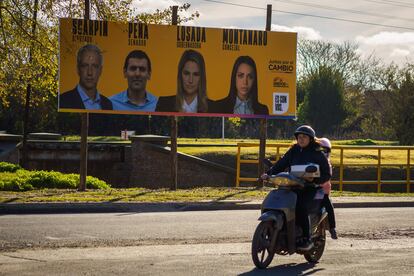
x: 343, y: 10
x: 392, y: 3
x: 311, y: 15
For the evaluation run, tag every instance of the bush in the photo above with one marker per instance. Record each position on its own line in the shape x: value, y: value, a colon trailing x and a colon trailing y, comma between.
x: 9, y: 167
x: 95, y: 183
x: 362, y: 142
x: 23, y: 180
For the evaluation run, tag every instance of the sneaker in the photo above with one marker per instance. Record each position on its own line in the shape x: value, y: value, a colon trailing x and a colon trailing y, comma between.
x: 305, y: 245
x: 334, y: 236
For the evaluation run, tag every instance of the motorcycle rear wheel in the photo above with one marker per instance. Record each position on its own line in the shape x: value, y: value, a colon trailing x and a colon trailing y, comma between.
x: 261, y: 255
x: 316, y: 252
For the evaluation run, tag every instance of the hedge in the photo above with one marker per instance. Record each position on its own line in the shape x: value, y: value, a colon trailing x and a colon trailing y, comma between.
x: 24, y: 180
x: 9, y: 167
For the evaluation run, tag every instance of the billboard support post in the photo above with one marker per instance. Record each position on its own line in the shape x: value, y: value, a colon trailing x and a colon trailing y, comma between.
x: 222, y: 129
x: 263, y: 121
x: 174, y: 167
x: 83, y: 170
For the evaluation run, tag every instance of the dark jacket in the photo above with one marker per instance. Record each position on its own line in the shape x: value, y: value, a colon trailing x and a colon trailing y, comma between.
x: 72, y: 99
x: 226, y: 105
x: 167, y: 104
x: 298, y: 156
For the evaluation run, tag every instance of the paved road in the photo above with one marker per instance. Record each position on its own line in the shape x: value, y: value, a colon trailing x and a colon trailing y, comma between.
x: 372, y: 241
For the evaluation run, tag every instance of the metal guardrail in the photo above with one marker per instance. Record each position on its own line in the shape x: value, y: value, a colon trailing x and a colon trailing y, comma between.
x: 341, y: 164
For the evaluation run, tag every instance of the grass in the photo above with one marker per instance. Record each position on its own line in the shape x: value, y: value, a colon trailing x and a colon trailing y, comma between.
x: 351, y: 156
x: 368, y: 156
x: 159, y: 195
x: 226, y: 154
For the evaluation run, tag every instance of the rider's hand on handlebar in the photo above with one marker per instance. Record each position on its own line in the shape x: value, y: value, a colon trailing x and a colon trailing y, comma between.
x: 265, y: 176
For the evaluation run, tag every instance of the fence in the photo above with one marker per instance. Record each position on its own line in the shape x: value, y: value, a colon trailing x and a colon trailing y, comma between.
x: 339, y: 160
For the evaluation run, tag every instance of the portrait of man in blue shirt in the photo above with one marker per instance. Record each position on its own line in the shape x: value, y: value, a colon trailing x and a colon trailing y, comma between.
x: 137, y: 71
x: 85, y: 95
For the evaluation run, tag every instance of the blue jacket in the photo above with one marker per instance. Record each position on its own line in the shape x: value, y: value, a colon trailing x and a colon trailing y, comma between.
x: 302, y: 156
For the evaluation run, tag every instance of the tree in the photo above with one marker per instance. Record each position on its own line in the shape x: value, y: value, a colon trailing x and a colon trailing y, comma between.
x: 18, y: 68
x: 323, y: 106
x: 341, y: 57
x: 358, y: 73
x: 404, y: 108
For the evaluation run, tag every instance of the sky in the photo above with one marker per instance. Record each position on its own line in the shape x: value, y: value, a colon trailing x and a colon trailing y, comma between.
x: 385, y: 28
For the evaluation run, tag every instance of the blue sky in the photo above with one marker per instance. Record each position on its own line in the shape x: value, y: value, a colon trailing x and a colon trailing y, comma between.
x: 389, y: 34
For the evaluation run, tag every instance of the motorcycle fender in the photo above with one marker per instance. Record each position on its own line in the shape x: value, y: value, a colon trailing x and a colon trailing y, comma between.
x: 269, y: 216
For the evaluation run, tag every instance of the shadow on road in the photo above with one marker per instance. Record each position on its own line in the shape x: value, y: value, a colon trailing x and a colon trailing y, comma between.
x: 120, y: 207
x: 285, y: 269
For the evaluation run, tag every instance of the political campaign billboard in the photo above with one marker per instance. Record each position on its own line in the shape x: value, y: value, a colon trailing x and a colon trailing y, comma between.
x: 136, y: 68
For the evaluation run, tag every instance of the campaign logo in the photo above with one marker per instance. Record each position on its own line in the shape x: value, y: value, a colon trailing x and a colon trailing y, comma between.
x: 280, y: 103
x: 279, y: 82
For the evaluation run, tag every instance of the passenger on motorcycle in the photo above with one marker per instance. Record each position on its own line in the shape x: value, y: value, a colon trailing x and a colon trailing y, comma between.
x: 326, y: 202
x: 305, y: 150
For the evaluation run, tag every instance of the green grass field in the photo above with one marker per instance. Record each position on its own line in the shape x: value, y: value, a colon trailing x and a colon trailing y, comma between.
x: 227, y: 154
x: 351, y: 156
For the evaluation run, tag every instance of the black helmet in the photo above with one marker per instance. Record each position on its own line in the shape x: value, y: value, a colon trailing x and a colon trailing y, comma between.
x: 305, y: 129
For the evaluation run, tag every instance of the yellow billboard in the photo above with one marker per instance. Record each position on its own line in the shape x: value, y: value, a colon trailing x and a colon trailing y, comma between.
x: 135, y: 68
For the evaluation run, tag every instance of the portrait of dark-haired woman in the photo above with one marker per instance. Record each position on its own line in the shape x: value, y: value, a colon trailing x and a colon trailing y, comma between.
x: 191, y: 95
x: 243, y: 92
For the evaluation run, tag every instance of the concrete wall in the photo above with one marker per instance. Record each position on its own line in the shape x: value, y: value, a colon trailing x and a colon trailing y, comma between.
x: 8, y: 150
x: 151, y: 168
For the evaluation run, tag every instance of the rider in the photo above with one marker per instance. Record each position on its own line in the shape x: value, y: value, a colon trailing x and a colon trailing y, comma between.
x: 326, y: 202
x: 305, y: 150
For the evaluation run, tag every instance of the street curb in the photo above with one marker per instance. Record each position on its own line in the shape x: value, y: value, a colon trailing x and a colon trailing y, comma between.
x: 138, y: 207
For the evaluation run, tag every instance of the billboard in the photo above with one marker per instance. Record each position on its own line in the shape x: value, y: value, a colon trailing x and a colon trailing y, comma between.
x: 136, y: 68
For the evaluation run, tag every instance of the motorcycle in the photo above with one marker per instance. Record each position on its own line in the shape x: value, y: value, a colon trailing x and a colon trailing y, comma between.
x: 277, y: 232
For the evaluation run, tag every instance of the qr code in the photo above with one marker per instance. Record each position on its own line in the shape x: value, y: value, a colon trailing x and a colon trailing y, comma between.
x: 280, y: 103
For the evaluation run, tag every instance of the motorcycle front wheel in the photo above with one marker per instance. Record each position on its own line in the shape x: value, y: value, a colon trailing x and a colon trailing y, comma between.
x: 262, y: 237
x: 316, y: 252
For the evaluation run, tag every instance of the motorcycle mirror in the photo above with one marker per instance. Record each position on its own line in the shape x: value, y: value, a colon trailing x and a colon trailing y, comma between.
x: 311, y: 169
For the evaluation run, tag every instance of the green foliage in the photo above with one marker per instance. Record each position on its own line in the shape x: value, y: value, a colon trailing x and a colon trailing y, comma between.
x: 95, y: 183
x: 361, y: 142
x: 324, y: 105
x: 23, y: 180
x: 235, y: 121
x: 404, y: 109
x: 8, y: 167
x: 165, y: 16
x: 29, y: 55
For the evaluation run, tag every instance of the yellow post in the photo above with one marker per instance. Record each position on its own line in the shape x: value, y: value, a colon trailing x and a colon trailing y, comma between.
x: 341, y: 169
x: 408, y: 171
x: 238, y: 167
x: 277, y: 152
x: 379, y: 171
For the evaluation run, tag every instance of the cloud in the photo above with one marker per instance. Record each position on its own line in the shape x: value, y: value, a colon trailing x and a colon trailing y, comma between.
x: 399, y: 53
x: 303, y: 32
x: 387, y: 38
x: 388, y: 46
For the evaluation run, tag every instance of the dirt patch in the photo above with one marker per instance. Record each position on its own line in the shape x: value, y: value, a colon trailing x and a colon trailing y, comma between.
x: 396, y: 233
